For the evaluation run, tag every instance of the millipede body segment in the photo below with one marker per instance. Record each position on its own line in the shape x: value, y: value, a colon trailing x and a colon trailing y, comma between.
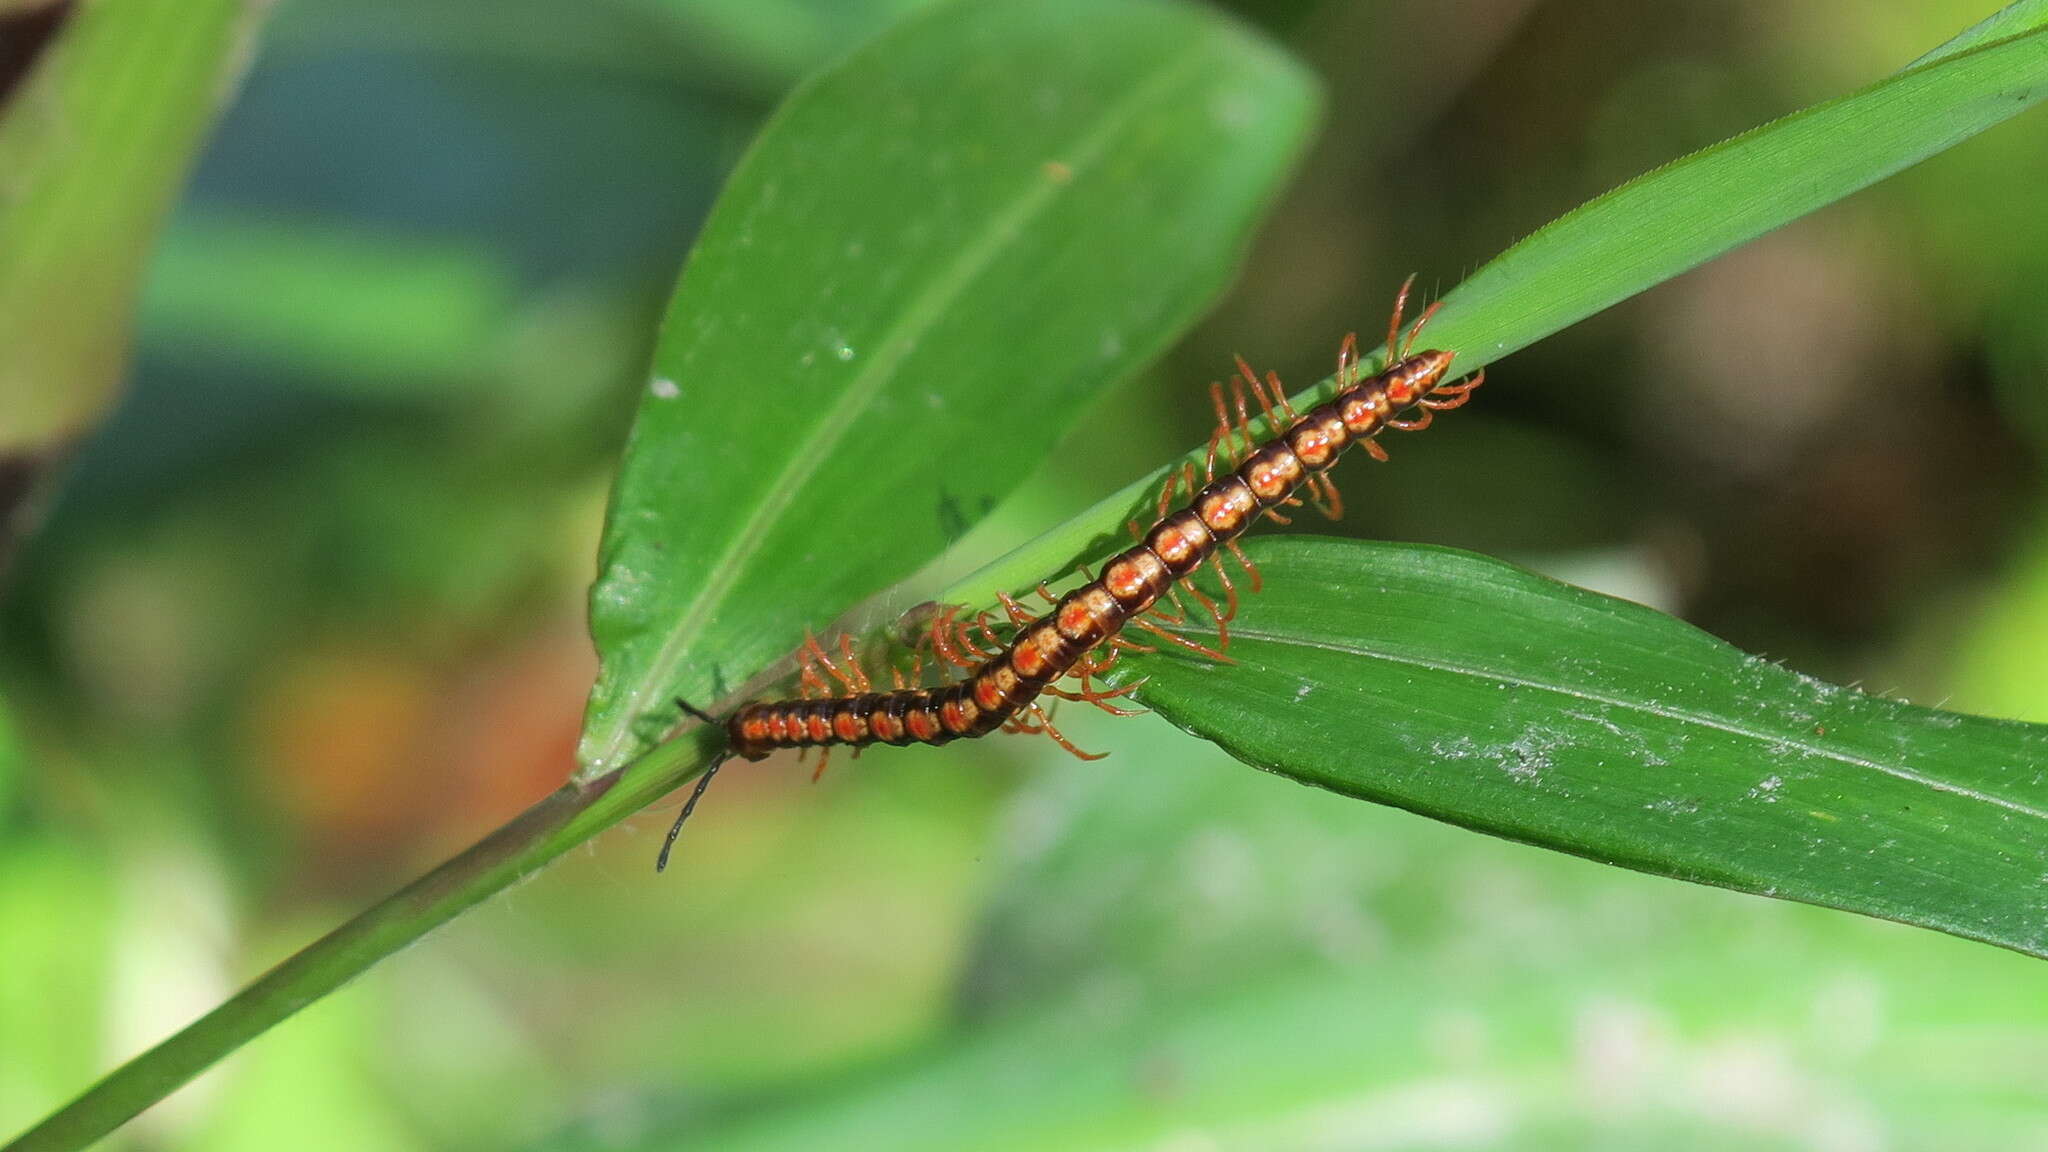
x: 1004, y: 679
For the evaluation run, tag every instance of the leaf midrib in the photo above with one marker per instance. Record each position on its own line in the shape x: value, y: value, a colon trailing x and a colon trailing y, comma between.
x: 894, y: 345
x: 1704, y: 720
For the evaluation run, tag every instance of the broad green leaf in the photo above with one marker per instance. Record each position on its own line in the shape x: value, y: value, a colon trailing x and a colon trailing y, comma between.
x: 1471, y: 691
x: 93, y: 146
x: 935, y: 254
x: 1663, y: 223
x: 1213, y: 951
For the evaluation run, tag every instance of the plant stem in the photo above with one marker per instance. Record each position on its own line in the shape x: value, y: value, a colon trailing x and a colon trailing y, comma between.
x: 567, y: 817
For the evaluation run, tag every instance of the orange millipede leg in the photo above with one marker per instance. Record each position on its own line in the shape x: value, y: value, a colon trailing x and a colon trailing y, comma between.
x: 1374, y: 449
x: 1349, y: 371
x: 1045, y: 725
x: 1216, y: 437
x: 1229, y: 589
x: 860, y: 674
x: 1098, y: 662
x: 1216, y: 617
x: 992, y: 646
x: 1166, y: 492
x: 817, y: 651
x: 1019, y: 615
x: 1280, y: 398
x: 1326, y: 499
x: 1088, y: 694
x: 1181, y: 641
x: 1454, y: 395
x: 1273, y: 424
x: 1420, y: 322
x: 1112, y: 709
x: 1394, y: 325
x: 945, y: 642
x: 1240, y: 403
x: 1250, y: 569
x: 1415, y: 425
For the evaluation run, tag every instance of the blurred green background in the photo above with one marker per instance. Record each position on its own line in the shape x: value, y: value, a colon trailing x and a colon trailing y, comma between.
x: 307, y: 616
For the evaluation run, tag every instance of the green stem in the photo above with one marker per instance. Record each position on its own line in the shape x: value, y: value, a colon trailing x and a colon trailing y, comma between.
x: 565, y: 818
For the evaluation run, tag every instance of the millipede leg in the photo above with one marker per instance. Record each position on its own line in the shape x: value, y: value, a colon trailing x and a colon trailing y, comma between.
x: 824, y: 759
x: 1229, y: 588
x: 1181, y: 641
x: 1179, y: 615
x: 1420, y: 322
x: 1415, y: 425
x: 1097, y: 664
x: 1327, y: 499
x: 1250, y: 569
x: 817, y: 651
x: 1280, y: 398
x: 1080, y: 698
x: 1349, y: 371
x: 1221, y: 433
x: 1217, y: 617
x: 1046, y: 725
x: 1089, y: 694
x: 969, y: 636
x: 1266, y: 408
x: 1166, y: 492
x: 860, y: 674
x: 946, y: 638
x: 1452, y: 396
x: 1240, y: 403
x: 1019, y: 615
x: 810, y: 684
x: 1394, y: 325
x: 1374, y: 449
x: 992, y: 646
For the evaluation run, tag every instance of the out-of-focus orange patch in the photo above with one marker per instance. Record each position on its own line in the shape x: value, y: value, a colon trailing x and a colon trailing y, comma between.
x: 340, y: 737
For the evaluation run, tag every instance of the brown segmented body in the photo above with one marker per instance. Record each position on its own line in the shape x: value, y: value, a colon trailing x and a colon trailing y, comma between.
x: 1045, y: 648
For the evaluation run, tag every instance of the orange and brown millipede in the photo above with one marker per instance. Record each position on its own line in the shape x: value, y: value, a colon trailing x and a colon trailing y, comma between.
x: 1081, y: 634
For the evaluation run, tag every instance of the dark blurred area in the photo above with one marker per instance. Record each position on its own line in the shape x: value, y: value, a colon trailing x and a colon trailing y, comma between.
x: 307, y: 615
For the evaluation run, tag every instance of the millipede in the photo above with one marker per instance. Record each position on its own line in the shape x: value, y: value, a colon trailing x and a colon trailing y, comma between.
x: 1082, y: 633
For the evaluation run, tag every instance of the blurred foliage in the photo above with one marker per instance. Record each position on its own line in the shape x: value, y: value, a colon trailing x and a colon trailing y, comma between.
x: 308, y: 615
x: 104, y: 108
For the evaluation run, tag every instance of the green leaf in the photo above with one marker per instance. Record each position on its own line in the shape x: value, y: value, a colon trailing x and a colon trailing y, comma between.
x: 1658, y: 226
x: 1689, y: 211
x: 1187, y: 946
x: 93, y: 148
x: 1471, y: 691
x: 935, y: 254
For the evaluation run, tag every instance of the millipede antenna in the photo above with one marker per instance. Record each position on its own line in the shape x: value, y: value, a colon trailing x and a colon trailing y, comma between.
x: 696, y: 794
